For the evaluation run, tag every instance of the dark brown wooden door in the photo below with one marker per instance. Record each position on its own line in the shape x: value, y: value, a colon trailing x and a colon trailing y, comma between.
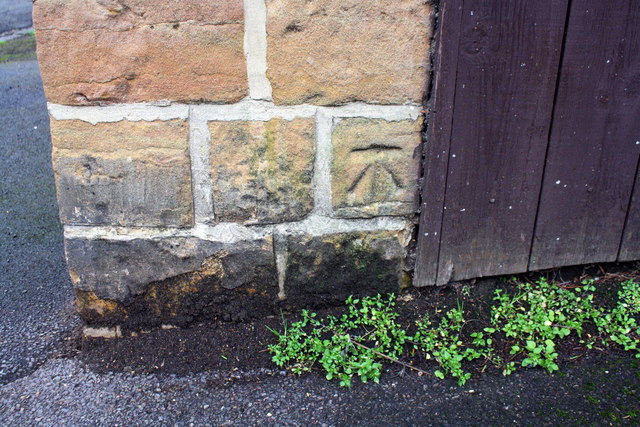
x: 526, y: 95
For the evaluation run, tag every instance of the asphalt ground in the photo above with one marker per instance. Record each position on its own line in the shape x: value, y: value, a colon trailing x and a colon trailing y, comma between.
x: 35, y: 292
x: 14, y: 15
x: 45, y: 380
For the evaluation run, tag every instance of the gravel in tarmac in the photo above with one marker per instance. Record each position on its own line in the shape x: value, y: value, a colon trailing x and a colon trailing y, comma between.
x: 63, y: 392
x: 14, y: 15
x: 35, y: 292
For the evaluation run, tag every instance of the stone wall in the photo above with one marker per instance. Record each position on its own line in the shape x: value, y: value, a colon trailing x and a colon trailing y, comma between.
x: 221, y: 158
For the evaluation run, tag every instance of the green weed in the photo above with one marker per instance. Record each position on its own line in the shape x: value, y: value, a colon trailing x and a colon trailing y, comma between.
x: 351, y: 345
x: 524, y: 330
x: 620, y: 325
x: 444, y: 344
x: 538, y: 316
x: 18, y: 49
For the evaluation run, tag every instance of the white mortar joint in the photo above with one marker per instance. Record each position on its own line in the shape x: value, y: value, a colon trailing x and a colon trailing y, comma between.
x: 201, y: 182
x: 118, y: 112
x: 314, y: 225
x: 322, y: 194
x: 245, y: 110
x: 255, y: 49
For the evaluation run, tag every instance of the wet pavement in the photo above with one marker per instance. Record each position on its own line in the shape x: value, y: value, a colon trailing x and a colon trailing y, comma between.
x: 14, y: 15
x: 35, y: 292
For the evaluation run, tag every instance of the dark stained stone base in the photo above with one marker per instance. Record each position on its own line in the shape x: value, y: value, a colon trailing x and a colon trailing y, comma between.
x: 145, y: 283
x: 325, y: 270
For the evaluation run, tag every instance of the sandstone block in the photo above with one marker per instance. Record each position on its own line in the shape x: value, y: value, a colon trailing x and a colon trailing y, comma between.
x: 326, y: 269
x: 104, y: 51
x: 336, y: 51
x: 172, y: 280
x: 262, y: 171
x: 375, y: 167
x: 124, y: 173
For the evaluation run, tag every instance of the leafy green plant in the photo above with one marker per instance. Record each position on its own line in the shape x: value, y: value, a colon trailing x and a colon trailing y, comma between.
x: 351, y: 345
x: 620, y: 325
x: 525, y: 328
x: 538, y: 316
x: 444, y: 344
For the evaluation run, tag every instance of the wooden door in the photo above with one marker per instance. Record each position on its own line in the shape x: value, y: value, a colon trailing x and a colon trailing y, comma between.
x: 524, y: 97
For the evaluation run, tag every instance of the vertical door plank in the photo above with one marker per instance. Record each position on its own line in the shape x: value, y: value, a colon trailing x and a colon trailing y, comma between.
x: 630, y: 247
x: 507, y: 66
x: 592, y: 158
x: 439, y: 116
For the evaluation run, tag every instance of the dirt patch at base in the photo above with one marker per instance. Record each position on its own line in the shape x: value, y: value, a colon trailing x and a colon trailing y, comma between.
x: 229, y: 346
x: 593, y: 387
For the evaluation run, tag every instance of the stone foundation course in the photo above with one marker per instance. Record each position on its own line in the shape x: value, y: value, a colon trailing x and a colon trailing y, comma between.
x: 229, y: 159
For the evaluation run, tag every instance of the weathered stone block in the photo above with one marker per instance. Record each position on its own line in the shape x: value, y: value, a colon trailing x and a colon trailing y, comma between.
x: 262, y: 171
x: 375, y: 167
x: 324, y: 270
x: 172, y: 280
x: 136, y: 50
x: 124, y: 173
x: 337, y: 51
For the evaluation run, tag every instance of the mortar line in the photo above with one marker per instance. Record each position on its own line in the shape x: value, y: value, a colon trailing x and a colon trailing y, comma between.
x: 231, y: 232
x: 281, y: 254
x: 322, y: 203
x: 374, y: 111
x: 253, y: 110
x: 118, y: 112
x: 255, y: 48
x: 244, y: 110
x: 200, y: 155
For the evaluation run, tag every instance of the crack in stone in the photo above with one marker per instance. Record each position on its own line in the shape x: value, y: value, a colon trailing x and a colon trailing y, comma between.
x: 376, y: 146
x: 137, y: 27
